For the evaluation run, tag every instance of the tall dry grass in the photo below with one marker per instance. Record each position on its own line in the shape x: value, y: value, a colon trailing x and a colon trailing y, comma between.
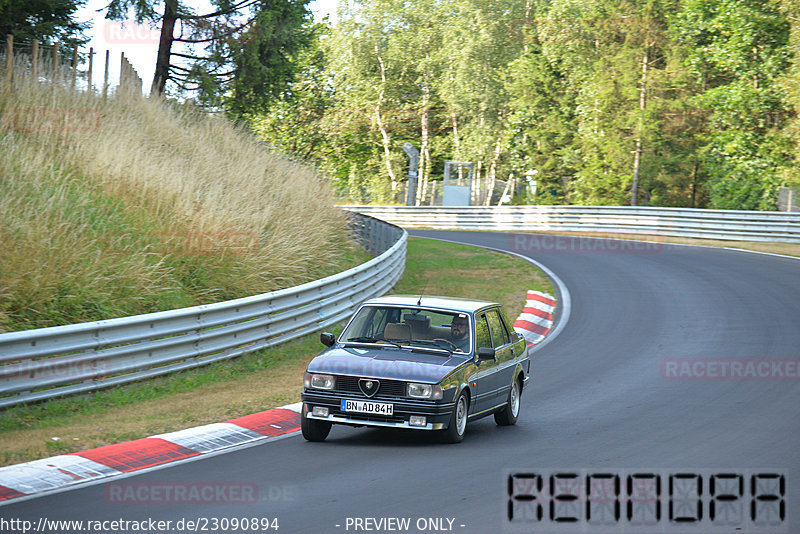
x: 128, y: 205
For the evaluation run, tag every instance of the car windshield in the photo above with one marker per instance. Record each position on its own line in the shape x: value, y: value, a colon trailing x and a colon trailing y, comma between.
x: 410, y: 326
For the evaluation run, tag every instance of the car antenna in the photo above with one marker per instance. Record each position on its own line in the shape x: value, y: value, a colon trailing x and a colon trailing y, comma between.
x: 419, y: 301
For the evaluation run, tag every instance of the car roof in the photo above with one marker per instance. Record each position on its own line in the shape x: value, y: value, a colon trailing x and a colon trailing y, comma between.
x: 425, y: 301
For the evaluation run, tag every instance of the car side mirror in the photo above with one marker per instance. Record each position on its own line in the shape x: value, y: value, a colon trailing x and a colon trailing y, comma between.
x: 327, y: 339
x: 486, y: 353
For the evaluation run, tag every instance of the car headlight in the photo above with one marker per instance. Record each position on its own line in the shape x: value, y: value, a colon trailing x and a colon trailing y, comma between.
x: 424, y: 391
x: 317, y: 381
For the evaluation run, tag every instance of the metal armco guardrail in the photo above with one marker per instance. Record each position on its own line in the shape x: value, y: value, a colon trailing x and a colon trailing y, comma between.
x: 677, y: 222
x: 49, y: 362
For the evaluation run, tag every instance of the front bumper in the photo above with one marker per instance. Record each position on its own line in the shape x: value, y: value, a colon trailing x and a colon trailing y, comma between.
x: 437, y: 413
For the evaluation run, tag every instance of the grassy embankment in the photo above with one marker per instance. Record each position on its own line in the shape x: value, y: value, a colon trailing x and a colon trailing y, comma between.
x: 253, y: 382
x: 127, y: 205
x: 120, y: 206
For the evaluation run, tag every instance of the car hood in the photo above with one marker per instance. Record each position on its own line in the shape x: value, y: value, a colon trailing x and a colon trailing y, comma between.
x: 390, y: 363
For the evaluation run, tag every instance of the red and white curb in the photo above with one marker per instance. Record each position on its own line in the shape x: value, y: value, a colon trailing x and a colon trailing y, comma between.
x: 536, y: 319
x: 64, y: 470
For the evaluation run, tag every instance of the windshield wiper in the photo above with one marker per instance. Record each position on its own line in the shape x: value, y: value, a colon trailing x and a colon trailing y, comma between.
x: 368, y: 339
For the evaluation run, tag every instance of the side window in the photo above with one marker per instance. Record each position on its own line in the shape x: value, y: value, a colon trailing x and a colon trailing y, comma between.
x: 509, y: 324
x: 499, y: 334
x: 482, y: 337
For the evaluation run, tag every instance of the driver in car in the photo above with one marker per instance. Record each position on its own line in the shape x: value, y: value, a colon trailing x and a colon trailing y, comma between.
x: 459, y: 332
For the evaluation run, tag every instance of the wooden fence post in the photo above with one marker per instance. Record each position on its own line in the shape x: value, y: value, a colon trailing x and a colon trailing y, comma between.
x: 9, y: 58
x: 56, y: 59
x: 105, y: 76
x: 74, y: 65
x: 121, y: 71
x: 35, y: 61
x: 91, y: 62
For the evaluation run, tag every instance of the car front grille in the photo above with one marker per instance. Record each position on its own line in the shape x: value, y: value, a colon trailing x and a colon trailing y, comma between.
x: 353, y: 416
x: 387, y: 388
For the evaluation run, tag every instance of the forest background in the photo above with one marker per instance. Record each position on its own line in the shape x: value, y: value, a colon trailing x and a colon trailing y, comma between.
x: 689, y: 103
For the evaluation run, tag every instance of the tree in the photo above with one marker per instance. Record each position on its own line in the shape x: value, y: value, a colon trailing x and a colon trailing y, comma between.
x: 543, y: 124
x: 658, y: 102
x: 478, y: 49
x: 612, y: 55
x: 291, y: 120
x: 309, y: 123
x: 789, y: 174
x: 249, y: 47
x: 543, y: 121
x: 738, y: 51
x: 380, y: 70
x: 369, y: 79
x: 263, y: 58
x: 45, y: 20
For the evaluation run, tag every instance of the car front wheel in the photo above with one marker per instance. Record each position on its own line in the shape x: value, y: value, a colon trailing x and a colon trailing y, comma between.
x: 509, y: 414
x: 458, y: 420
x: 314, y: 430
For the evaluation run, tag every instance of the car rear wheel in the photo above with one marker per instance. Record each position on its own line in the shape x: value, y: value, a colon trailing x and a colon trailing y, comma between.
x: 314, y: 430
x: 508, y: 415
x: 458, y: 420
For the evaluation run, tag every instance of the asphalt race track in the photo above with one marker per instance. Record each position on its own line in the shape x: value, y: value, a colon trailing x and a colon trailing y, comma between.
x: 637, y: 382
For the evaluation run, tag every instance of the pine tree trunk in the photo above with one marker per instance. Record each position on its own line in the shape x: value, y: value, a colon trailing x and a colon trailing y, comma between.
x: 164, y: 48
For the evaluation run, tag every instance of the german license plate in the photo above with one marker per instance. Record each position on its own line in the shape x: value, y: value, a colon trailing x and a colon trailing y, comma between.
x: 378, y: 408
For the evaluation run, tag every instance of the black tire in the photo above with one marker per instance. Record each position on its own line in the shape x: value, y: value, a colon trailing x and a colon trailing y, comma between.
x: 509, y: 414
x: 314, y: 430
x: 458, y: 420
